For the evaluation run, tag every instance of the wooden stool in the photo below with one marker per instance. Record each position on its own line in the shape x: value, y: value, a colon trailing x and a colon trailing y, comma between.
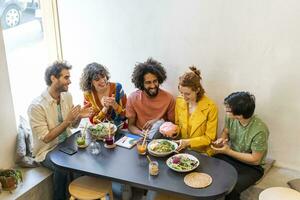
x: 279, y: 193
x: 90, y: 188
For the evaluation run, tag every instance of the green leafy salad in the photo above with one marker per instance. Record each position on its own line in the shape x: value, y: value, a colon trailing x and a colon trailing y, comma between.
x: 162, y: 146
x: 182, y: 163
x: 99, y: 130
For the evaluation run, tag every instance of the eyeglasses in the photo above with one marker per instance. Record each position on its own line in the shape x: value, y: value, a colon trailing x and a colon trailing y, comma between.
x: 227, y: 109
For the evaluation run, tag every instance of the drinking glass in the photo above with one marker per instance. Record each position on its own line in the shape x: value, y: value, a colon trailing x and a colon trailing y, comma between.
x: 94, y: 147
x: 141, y: 147
x: 80, y: 140
x: 153, y: 168
x: 109, y: 140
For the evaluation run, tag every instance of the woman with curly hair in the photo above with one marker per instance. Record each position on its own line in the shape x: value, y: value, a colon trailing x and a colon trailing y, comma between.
x: 107, y: 99
x: 196, y: 115
x: 149, y: 104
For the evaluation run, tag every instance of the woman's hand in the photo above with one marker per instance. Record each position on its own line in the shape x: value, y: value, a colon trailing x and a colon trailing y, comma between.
x: 104, y: 102
x: 168, y: 129
x: 87, y: 111
x: 182, y: 144
x: 172, y: 135
x: 110, y: 101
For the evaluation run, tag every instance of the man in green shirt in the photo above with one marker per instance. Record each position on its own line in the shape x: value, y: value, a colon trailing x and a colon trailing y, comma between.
x: 243, y: 142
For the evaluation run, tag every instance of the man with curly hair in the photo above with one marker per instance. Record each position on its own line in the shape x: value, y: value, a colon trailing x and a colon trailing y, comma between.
x: 149, y: 103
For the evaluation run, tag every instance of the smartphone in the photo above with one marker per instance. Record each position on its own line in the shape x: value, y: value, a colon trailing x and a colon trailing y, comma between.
x: 68, y: 150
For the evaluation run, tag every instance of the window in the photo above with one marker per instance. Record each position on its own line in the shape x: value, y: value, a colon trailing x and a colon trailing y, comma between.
x: 30, y: 46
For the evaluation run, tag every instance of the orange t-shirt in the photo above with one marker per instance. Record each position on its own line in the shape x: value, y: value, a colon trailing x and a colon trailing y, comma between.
x: 144, y: 108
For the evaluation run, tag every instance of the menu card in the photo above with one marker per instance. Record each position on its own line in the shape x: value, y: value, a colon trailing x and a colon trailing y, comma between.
x: 128, y: 140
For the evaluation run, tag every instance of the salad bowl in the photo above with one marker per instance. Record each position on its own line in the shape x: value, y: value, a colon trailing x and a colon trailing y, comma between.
x: 162, y: 147
x: 183, y: 162
x: 101, y: 130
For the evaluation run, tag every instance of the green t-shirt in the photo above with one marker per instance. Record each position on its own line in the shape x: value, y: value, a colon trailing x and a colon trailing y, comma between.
x: 246, y: 139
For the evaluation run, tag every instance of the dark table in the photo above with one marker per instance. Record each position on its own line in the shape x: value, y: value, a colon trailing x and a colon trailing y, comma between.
x: 126, y: 166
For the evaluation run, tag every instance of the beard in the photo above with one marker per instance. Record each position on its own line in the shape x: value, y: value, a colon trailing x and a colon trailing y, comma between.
x: 151, y: 92
x: 62, y: 88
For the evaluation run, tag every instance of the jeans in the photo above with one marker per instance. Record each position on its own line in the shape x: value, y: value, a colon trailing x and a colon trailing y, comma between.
x: 61, y: 180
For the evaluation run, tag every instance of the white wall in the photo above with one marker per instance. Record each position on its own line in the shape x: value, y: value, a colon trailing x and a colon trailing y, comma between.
x: 238, y: 45
x: 8, y: 132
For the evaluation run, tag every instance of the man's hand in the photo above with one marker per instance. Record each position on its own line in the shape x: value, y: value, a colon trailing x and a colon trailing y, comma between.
x: 220, y: 142
x: 149, y: 124
x: 73, y: 114
x: 223, y: 150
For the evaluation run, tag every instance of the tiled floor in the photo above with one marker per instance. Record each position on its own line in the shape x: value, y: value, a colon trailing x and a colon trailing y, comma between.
x: 130, y: 193
x: 276, y: 177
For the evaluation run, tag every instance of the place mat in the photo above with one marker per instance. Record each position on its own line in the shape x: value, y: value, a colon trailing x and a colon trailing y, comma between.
x: 197, y: 180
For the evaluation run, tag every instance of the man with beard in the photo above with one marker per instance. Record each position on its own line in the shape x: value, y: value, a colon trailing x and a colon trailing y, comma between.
x: 149, y: 103
x: 51, y: 116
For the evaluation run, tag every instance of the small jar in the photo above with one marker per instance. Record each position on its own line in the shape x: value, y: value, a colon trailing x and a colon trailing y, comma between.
x: 153, y: 168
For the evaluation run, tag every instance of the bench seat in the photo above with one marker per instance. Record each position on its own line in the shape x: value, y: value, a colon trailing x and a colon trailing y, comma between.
x: 37, y: 185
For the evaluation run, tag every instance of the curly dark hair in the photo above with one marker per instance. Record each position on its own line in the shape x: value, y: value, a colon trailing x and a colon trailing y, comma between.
x: 241, y: 103
x: 55, y: 70
x: 192, y: 80
x: 150, y: 66
x: 91, y: 72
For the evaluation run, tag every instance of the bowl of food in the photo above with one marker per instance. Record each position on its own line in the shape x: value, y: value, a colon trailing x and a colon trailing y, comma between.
x: 161, y: 147
x: 183, y: 162
x: 101, y: 130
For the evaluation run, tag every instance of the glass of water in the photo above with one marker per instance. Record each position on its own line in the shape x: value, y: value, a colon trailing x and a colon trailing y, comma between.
x: 94, y: 147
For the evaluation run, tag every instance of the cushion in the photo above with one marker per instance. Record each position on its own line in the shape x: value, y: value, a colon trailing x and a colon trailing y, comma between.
x: 295, y: 184
x: 24, y: 145
x: 267, y: 166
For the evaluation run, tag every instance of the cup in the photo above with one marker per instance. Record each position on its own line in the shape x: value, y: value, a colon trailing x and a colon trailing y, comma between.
x: 80, y: 140
x: 94, y: 148
x: 153, y: 168
x: 109, y: 140
x: 141, y: 148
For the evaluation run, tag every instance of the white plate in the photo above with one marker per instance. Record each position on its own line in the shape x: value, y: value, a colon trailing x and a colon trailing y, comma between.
x: 160, y: 154
x: 182, y: 155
